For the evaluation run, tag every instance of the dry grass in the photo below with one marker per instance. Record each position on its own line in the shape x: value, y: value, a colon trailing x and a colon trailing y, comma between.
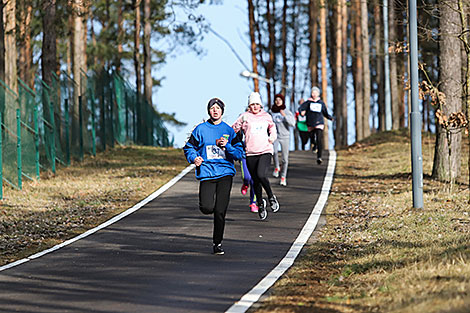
x: 81, y: 196
x: 377, y: 253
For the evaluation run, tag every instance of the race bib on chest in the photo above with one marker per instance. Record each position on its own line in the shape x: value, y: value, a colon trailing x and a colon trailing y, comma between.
x: 214, y: 152
x: 259, y: 128
x: 315, y: 107
x: 277, y: 117
x: 301, y: 118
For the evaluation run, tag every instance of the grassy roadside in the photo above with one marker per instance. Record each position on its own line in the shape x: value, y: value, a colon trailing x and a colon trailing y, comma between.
x: 377, y: 253
x: 81, y: 196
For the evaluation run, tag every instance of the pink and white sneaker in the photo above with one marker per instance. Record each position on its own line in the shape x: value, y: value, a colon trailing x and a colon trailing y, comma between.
x: 244, y: 189
x: 254, y: 208
x: 276, y: 172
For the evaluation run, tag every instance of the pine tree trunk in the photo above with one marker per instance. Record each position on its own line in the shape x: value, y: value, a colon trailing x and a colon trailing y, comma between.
x: 25, y: 53
x: 284, y: 47
x: 259, y: 35
x: 2, y: 47
x: 446, y: 165
x: 49, y: 61
x: 337, y: 74
x: 49, y: 48
x: 137, y: 66
x: 69, y: 46
x: 120, y: 36
x: 9, y: 16
x: 313, y: 32
x: 254, y: 60
x: 366, y: 62
x: 379, y: 67
x: 294, y: 56
x: 323, y: 58
x: 344, y: 72
x: 392, y: 35
x: 85, y: 17
x: 401, y: 62
x: 77, y: 62
x: 94, y: 44
x: 358, y: 72
x: 270, y: 67
x: 148, y: 83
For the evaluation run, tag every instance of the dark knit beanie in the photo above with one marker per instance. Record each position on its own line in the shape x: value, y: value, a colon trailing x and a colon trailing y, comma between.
x: 215, y: 101
x: 277, y: 109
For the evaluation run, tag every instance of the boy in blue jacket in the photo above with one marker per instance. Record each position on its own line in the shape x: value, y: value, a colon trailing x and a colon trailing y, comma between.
x: 212, y: 147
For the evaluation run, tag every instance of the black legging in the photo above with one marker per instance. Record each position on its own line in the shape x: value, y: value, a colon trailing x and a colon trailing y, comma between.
x: 258, y: 166
x: 304, y: 136
x: 316, y: 137
x: 214, y: 196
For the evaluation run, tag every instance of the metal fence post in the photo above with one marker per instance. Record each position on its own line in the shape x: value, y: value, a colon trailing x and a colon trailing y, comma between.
x: 93, y: 130
x: 80, y: 125
x: 134, y: 121
x: 18, y: 147
x: 103, y: 118
x: 67, y: 131
x: 111, y: 114
x: 1, y: 159
x: 126, y: 99
x: 36, y: 140
x: 51, y: 114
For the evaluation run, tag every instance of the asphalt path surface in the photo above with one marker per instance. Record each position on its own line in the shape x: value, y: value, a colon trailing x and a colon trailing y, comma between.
x: 159, y: 259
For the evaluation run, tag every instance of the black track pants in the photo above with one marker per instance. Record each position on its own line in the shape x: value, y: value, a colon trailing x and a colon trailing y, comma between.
x: 304, y: 136
x: 214, y: 197
x: 258, y: 166
x: 317, y: 137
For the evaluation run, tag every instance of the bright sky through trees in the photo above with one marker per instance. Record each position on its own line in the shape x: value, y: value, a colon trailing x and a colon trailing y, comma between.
x: 190, y: 80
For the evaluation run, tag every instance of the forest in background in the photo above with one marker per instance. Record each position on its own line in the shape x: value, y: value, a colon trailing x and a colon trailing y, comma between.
x: 359, y: 49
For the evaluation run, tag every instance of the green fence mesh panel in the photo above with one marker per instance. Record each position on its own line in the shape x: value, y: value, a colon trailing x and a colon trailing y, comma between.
x: 62, y: 120
x: 8, y: 106
x: 29, y: 131
x: 58, y: 109
x: 47, y: 125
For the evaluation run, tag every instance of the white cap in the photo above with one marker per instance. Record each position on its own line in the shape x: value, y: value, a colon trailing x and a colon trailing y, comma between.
x: 254, y: 98
x: 316, y: 89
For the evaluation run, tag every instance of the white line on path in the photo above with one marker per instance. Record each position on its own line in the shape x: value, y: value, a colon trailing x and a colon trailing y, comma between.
x: 257, y: 291
x: 113, y: 220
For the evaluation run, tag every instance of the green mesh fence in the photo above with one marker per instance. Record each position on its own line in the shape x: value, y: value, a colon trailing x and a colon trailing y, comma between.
x: 88, y: 116
x: 60, y: 140
x: 68, y: 119
x: 8, y: 107
x: 47, y: 125
x: 121, y: 115
x: 29, y: 131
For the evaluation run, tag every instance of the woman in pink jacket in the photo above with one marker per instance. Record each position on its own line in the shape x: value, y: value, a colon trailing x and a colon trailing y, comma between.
x: 260, y: 133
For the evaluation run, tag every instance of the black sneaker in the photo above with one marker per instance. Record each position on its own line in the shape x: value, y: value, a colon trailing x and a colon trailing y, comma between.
x: 262, y: 212
x: 274, y: 204
x: 218, y: 249
x: 319, y: 160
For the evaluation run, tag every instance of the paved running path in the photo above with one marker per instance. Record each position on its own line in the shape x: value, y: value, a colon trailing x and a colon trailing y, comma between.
x: 159, y: 259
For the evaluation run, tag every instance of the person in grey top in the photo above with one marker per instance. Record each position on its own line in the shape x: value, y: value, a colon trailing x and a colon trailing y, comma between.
x: 284, y: 120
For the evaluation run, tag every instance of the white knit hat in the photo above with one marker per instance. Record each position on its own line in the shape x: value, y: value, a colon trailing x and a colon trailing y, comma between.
x: 254, y: 98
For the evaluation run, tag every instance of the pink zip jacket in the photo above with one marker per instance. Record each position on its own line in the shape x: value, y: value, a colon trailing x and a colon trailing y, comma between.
x: 260, y: 132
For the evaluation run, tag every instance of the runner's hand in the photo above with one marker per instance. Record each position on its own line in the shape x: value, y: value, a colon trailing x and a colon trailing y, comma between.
x: 222, y: 141
x: 198, y: 161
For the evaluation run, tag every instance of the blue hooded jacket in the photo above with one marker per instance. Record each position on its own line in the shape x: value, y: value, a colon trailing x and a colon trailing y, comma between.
x: 217, y: 162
